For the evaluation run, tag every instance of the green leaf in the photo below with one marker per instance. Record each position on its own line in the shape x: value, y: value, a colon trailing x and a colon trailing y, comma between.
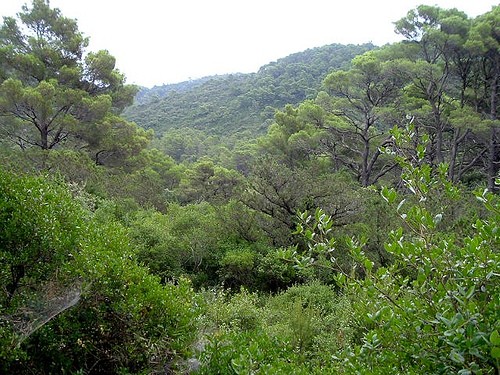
x: 389, y: 195
x: 309, y: 234
x: 495, y: 338
x: 495, y: 352
x: 456, y: 357
x: 470, y: 292
x: 368, y: 264
x: 421, y: 277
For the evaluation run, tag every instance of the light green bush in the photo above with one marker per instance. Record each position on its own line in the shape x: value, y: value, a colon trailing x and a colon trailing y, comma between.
x: 74, y: 299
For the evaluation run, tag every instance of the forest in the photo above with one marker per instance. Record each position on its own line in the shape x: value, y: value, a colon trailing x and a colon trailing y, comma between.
x: 336, y: 212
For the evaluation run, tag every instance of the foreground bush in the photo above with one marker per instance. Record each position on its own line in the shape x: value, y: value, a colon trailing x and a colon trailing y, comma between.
x: 73, y: 298
x: 295, y: 332
x: 436, y: 309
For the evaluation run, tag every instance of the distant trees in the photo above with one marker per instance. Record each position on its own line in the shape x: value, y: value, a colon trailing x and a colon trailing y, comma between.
x: 240, y: 103
x: 485, y: 41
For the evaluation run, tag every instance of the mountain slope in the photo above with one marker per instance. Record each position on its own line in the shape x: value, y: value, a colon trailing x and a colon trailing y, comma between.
x: 235, y: 103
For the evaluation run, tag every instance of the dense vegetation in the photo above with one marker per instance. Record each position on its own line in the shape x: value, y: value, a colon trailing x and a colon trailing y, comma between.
x: 237, y: 103
x: 357, y: 231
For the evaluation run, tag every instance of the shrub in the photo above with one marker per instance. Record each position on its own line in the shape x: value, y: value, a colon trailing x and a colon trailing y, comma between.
x: 436, y: 308
x: 296, y: 331
x: 237, y: 268
x: 75, y: 299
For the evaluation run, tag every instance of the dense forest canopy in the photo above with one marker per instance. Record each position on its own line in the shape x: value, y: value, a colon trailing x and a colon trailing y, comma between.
x: 335, y: 212
x: 232, y: 104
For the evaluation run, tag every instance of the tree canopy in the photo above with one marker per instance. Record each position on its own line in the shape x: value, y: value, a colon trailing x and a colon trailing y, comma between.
x: 52, y: 91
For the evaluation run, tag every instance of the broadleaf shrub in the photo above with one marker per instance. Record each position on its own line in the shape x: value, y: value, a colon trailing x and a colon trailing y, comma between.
x: 436, y: 307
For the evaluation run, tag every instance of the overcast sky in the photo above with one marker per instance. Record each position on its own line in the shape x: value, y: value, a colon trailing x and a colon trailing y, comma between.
x: 164, y: 41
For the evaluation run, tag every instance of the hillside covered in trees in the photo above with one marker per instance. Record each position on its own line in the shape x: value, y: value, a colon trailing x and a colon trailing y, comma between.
x: 336, y: 212
x: 237, y: 103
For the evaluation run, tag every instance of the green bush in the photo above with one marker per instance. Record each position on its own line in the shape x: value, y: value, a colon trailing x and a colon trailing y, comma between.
x: 436, y: 308
x: 314, y: 318
x: 236, y: 341
x: 226, y: 311
x: 250, y: 352
x: 296, y: 331
x: 156, y: 246
x: 274, y: 274
x: 237, y: 268
x: 74, y: 297
x: 40, y: 230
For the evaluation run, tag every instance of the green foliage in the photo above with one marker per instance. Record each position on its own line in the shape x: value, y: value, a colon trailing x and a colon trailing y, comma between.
x: 275, y: 275
x: 129, y: 320
x: 296, y: 331
x: 278, y: 191
x: 41, y: 227
x: 205, y: 181
x: 315, y: 317
x: 148, y: 179
x: 251, y: 352
x: 156, y: 246
x: 435, y: 308
x: 71, y: 280
x: 237, y: 267
x: 363, y: 101
x: 232, y: 105
x: 126, y: 321
x: 94, y: 274
x: 53, y: 96
x: 72, y: 166
x: 242, y: 222
x: 187, y: 144
x: 40, y: 231
x: 176, y: 243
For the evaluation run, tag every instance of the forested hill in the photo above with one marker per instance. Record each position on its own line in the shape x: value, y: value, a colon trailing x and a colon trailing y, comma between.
x: 237, y: 103
x: 146, y: 95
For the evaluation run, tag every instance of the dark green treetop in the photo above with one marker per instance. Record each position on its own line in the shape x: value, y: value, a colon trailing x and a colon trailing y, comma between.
x: 51, y: 91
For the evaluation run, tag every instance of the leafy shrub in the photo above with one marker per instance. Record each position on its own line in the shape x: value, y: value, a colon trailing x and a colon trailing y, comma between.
x: 237, y: 267
x: 156, y: 246
x: 274, y: 274
x: 436, y: 308
x: 80, y: 302
x: 296, y: 331
x: 250, y: 352
x: 236, y: 341
x: 314, y: 318
x: 40, y: 229
x: 226, y: 311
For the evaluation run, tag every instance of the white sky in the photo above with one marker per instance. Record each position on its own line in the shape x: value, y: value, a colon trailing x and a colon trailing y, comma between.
x: 165, y: 41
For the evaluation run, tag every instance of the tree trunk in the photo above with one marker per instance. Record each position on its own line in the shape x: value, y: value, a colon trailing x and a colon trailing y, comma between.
x: 492, y: 160
x: 458, y: 138
x: 44, y: 137
x: 365, y: 169
x: 17, y: 273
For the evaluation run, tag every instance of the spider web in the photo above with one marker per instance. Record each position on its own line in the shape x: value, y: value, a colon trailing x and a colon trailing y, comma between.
x: 51, y: 300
